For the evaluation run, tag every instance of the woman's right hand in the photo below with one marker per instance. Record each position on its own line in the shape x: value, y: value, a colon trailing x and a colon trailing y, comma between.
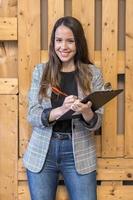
x: 57, y: 112
x: 69, y: 100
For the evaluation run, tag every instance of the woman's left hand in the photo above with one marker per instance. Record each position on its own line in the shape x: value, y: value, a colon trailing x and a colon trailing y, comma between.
x: 84, y: 109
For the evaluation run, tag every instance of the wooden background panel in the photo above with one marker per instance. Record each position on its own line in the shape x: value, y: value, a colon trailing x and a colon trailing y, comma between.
x: 55, y: 11
x: 8, y: 28
x: 8, y: 8
x: 111, y: 172
x: 115, y: 192
x: 84, y: 11
x: 8, y: 86
x: 23, y: 191
x: 8, y: 59
x: 28, y: 56
x: 8, y: 147
x: 8, y: 50
x: 129, y: 80
x: 109, y: 66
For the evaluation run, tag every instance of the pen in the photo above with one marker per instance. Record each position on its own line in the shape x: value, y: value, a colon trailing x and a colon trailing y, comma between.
x: 57, y: 91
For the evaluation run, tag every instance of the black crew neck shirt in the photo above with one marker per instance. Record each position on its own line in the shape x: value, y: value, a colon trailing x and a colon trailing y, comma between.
x: 68, y: 85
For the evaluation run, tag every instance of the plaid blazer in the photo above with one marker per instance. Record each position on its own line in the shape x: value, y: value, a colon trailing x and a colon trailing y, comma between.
x: 83, y: 139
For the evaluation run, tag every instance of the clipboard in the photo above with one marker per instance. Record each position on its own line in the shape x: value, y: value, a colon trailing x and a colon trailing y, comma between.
x: 98, y: 99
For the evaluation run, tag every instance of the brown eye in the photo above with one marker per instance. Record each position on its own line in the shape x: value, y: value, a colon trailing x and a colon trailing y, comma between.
x: 58, y: 40
x: 71, y: 41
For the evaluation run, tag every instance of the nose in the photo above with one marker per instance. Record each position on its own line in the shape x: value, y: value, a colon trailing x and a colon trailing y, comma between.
x: 64, y: 45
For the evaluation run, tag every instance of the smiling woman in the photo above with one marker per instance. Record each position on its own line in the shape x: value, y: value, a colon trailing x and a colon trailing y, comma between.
x: 63, y: 146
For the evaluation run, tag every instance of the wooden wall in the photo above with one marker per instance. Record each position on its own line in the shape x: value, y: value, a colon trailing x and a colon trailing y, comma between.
x: 25, y: 28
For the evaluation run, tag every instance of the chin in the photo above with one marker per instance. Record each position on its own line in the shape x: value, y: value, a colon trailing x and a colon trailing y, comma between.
x: 65, y: 59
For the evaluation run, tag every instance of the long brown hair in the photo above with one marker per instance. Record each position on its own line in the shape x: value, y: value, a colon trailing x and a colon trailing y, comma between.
x: 51, y: 74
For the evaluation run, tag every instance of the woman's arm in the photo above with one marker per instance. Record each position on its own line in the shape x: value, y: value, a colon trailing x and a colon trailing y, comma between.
x: 35, y: 108
x: 91, y: 120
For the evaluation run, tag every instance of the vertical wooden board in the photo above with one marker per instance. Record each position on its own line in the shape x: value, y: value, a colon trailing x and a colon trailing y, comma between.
x: 8, y: 8
x: 129, y: 80
x: 44, y: 56
x: 85, y: 12
x: 55, y: 11
x: 23, y: 191
x: 8, y: 146
x: 109, y: 64
x: 121, y: 62
x: 8, y: 59
x: 98, y: 145
x: 28, y: 56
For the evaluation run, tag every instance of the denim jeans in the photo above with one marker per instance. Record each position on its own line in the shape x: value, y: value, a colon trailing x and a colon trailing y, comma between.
x: 60, y: 159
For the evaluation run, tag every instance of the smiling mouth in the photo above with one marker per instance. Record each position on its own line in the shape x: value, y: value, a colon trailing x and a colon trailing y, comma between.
x: 64, y: 54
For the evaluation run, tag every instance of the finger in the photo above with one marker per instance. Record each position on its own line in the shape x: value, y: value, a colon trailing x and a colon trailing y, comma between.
x: 74, y: 107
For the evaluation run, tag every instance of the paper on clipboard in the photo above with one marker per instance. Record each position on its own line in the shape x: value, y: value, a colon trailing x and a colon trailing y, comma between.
x: 98, y: 99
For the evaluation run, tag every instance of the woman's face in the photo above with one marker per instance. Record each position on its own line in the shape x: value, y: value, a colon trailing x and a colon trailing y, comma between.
x: 64, y: 44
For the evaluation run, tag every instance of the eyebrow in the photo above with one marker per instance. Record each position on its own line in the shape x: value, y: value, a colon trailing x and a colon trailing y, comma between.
x: 71, y: 38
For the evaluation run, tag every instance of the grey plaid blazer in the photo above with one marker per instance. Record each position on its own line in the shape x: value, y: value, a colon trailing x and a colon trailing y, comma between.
x: 82, y: 136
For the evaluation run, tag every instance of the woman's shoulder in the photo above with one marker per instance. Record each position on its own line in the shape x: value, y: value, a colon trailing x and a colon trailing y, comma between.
x: 38, y: 69
x: 95, y: 70
x: 40, y: 66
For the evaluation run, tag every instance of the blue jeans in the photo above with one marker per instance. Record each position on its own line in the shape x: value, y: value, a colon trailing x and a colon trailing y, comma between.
x: 60, y: 159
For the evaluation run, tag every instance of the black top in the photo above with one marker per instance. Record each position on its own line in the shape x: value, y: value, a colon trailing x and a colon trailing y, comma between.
x: 69, y: 86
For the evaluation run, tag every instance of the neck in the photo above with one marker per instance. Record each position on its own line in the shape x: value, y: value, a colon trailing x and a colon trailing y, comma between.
x: 67, y: 67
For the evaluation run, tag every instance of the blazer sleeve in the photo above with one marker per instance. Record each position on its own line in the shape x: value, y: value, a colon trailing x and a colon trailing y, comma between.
x: 35, y: 107
x: 97, y: 85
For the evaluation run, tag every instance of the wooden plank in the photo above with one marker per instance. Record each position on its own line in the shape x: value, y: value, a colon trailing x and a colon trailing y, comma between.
x: 115, y: 192
x: 98, y: 145
x: 8, y: 59
x: 97, y: 61
x: 120, y: 59
x: 21, y: 170
x: 111, y: 183
x: 55, y: 11
x: 8, y: 86
x: 129, y: 80
x: 109, y: 66
x: 28, y: 56
x: 8, y: 8
x: 44, y: 56
x: 115, y: 169
x: 8, y: 28
x: 84, y: 11
x: 8, y: 146
x: 23, y: 191
x: 121, y: 62
x: 120, y: 145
